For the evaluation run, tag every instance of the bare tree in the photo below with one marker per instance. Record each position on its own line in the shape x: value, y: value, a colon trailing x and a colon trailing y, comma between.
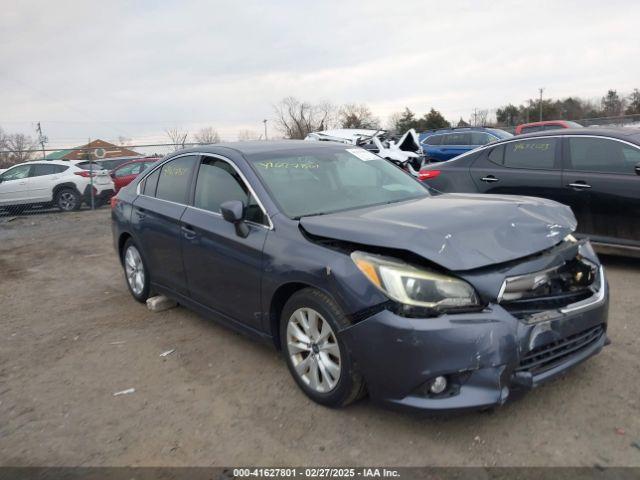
x: 177, y: 137
x: 206, y: 135
x: 247, y: 135
x: 296, y: 119
x: 18, y: 145
x: 479, y: 118
x: 122, y: 140
x: 354, y: 115
x: 4, y: 155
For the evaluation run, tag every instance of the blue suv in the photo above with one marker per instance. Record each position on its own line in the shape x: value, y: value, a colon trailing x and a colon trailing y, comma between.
x: 446, y: 143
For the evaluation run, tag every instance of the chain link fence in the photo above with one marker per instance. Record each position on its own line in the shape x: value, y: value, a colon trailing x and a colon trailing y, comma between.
x: 68, y: 179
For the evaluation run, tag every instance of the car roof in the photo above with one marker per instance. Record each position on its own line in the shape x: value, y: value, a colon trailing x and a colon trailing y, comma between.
x: 543, y: 122
x: 261, y: 146
x: 621, y: 133
x: 462, y: 129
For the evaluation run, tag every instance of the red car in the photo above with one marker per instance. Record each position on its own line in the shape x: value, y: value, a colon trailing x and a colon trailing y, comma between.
x: 124, y: 174
x: 546, y: 125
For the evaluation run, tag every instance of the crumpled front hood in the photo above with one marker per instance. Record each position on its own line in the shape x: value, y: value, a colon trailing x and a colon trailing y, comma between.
x: 456, y: 231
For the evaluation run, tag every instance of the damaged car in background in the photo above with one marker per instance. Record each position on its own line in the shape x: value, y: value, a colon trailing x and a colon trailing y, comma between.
x: 364, y: 281
x: 404, y: 152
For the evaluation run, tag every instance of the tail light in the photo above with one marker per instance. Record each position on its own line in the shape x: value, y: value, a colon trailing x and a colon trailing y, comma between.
x: 84, y: 173
x: 425, y: 174
x: 114, y: 202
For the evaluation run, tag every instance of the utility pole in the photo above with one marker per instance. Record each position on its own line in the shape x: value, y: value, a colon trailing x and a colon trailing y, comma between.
x: 41, y: 139
x: 265, y: 129
x: 541, y: 89
x: 475, y: 117
x: 93, y: 201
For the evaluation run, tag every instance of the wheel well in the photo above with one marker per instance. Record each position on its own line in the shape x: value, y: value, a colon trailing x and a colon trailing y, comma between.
x: 278, y: 301
x: 64, y: 186
x: 121, y: 241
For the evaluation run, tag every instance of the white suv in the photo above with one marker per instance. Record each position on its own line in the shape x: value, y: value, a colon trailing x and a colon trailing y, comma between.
x: 64, y: 184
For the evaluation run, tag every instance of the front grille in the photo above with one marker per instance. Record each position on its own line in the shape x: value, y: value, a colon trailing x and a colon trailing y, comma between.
x: 548, y: 356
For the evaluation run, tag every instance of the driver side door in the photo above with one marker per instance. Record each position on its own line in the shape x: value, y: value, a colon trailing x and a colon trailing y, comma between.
x: 224, y: 270
x: 14, y: 188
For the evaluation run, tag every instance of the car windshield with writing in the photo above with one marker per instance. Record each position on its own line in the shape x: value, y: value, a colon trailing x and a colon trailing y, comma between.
x: 310, y: 182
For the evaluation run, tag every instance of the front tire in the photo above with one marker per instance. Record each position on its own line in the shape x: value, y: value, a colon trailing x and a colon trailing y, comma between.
x: 318, y: 360
x: 135, y: 272
x: 68, y: 200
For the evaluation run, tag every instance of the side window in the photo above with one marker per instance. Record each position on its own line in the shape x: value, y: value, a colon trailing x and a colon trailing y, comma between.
x: 534, y: 153
x: 481, y: 138
x: 457, y: 139
x: 174, y: 179
x: 534, y: 128
x: 40, y: 169
x: 150, y: 184
x: 601, y: 155
x: 60, y: 168
x: 218, y: 182
x: 433, y: 140
x: 551, y: 127
x: 497, y: 155
x: 131, y: 169
x: 16, y: 173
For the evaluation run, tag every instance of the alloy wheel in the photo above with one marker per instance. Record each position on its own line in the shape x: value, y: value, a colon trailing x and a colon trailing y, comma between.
x: 67, y: 201
x: 313, y: 349
x: 134, y: 270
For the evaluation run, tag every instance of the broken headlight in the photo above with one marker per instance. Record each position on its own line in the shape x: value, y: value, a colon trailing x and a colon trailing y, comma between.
x: 415, y: 286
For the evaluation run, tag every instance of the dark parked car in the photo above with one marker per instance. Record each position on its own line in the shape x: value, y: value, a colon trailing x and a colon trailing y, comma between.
x: 593, y: 170
x: 364, y: 280
x: 447, y: 143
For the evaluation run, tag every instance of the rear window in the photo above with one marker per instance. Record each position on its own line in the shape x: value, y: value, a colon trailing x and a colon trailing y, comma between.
x: 174, y: 179
x: 40, y: 169
x: 90, y: 166
x: 150, y: 184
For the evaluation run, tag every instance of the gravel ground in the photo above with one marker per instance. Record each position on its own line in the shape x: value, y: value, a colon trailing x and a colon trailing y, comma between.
x: 71, y: 336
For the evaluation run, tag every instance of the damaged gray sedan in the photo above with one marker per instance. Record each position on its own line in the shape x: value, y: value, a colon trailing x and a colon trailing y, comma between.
x: 364, y: 281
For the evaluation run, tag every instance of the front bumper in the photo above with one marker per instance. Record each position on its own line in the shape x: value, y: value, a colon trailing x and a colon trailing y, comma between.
x: 489, y: 357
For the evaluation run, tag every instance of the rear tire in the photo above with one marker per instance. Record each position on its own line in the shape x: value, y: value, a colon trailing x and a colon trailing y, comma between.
x: 68, y: 200
x: 136, y: 272
x: 317, y: 358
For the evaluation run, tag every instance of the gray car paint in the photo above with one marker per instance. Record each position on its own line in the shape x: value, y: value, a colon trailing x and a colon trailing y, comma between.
x: 458, y: 232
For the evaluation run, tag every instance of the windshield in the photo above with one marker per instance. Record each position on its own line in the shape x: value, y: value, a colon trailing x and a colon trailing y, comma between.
x: 317, y: 181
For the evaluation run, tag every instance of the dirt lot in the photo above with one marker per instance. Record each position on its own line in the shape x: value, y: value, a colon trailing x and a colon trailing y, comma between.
x: 71, y: 336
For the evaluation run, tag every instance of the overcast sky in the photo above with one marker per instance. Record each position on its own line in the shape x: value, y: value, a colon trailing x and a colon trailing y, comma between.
x: 109, y: 69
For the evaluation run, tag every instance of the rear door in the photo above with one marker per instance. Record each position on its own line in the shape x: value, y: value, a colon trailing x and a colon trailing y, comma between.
x: 156, y: 220
x: 522, y: 167
x: 603, y: 188
x: 224, y: 270
x: 42, y: 178
x: 14, y: 187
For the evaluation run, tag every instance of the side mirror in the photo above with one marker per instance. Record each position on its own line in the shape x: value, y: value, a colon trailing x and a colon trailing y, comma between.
x: 233, y: 212
x: 637, y: 170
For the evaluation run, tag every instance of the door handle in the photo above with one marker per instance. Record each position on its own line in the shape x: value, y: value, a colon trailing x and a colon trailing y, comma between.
x: 141, y: 212
x: 188, y: 232
x: 580, y: 185
x: 490, y: 179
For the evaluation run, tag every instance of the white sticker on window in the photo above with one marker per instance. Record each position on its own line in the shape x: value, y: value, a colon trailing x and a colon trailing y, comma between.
x: 363, y: 154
